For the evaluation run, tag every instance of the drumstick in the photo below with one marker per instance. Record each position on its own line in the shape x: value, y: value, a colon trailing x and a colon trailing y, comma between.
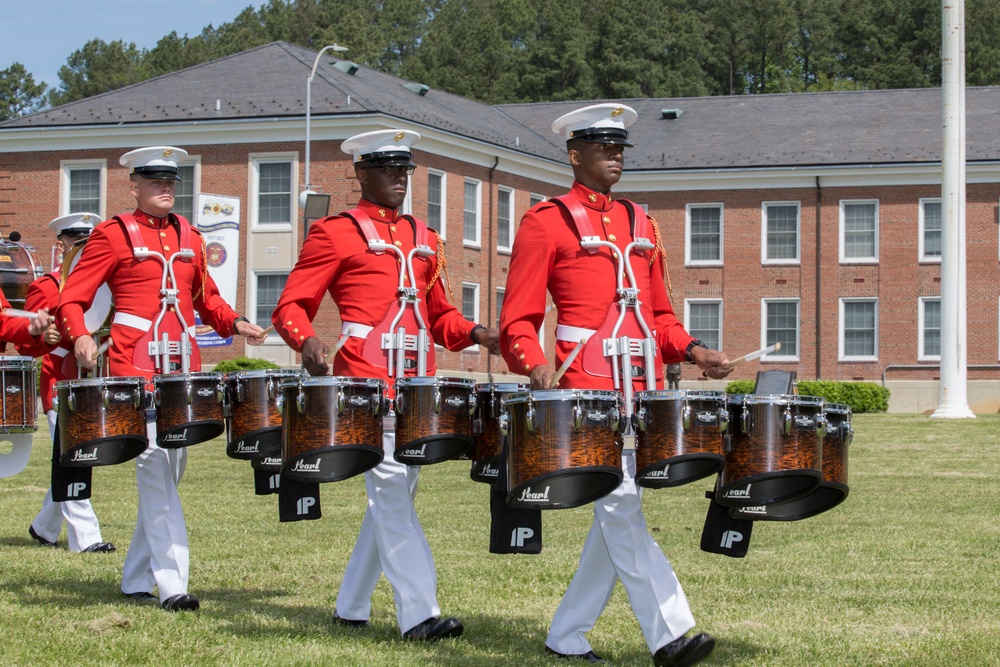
x: 567, y: 363
x: 755, y: 355
x: 336, y: 348
x: 103, y: 348
x: 267, y: 330
x: 14, y: 312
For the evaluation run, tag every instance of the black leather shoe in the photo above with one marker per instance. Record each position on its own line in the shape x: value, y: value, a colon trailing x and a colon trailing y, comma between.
x: 180, y: 602
x: 351, y: 623
x: 589, y: 656
x: 99, y: 547
x: 41, y: 540
x: 142, y: 598
x: 434, y: 628
x: 684, y: 652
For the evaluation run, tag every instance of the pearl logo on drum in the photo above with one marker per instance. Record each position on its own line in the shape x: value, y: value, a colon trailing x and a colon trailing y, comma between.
x: 243, y: 448
x: 122, y: 396
x: 739, y: 493
x: 706, y: 417
x: 455, y: 401
x: 359, y: 401
x: 176, y: 437
x: 415, y: 453
x: 80, y: 456
x: 660, y: 473
x: 598, y: 416
x: 489, y: 470
x: 13, y: 389
x: 528, y: 496
x: 301, y: 466
x: 205, y: 392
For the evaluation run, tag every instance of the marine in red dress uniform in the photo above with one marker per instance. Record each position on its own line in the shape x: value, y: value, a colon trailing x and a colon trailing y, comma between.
x: 336, y: 259
x: 547, y: 255
x: 83, y: 531
x: 158, y: 554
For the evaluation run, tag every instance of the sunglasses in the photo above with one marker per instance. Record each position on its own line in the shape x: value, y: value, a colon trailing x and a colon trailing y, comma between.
x: 394, y: 169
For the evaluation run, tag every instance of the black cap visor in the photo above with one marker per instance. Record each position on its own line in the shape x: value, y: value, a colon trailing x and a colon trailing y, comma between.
x: 602, y: 135
x: 157, y: 173
x: 387, y: 159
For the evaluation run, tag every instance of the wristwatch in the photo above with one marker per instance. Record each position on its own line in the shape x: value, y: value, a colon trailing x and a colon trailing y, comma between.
x: 693, y: 344
x: 237, y: 321
x: 472, y: 333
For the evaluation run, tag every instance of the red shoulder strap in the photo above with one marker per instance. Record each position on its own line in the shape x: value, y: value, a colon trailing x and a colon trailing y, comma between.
x: 365, y: 224
x: 640, y: 221
x: 184, y: 232
x: 131, y: 230
x: 420, y: 231
x: 578, y: 214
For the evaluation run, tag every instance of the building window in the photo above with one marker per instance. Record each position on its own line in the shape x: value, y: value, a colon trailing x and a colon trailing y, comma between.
x: 858, y: 231
x: 500, y: 295
x: 435, y: 201
x: 184, y: 193
x: 704, y: 234
x: 858, y: 329
x: 781, y: 233
x: 84, y: 189
x: 505, y: 218
x: 930, y: 328
x: 704, y: 321
x: 274, y: 192
x: 470, y: 211
x: 535, y: 199
x: 930, y: 230
x: 269, y: 287
x: 470, y: 305
x: 781, y: 325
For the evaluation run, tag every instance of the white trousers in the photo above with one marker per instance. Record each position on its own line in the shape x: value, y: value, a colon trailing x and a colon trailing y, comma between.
x: 392, y: 541
x: 619, y: 547
x: 158, y: 553
x: 82, y: 528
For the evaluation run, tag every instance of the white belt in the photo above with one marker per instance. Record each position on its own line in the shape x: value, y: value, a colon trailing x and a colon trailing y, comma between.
x: 566, y: 333
x: 60, y: 352
x: 140, y: 323
x: 355, y: 330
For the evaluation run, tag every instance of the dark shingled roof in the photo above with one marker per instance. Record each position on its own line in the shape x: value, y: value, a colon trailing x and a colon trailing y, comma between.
x: 738, y: 132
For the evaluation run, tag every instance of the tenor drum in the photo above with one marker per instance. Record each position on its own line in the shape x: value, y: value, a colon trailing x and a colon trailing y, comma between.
x: 188, y: 408
x: 773, y: 449
x: 332, y: 427
x: 268, y: 463
x: 20, y: 407
x: 433, y: 419
x: 102, y: 421
x: 486, y: 436
x: 831, y: 491
x: 254, y: 406
x: 564, y: 447
x: 19, y: 267
x: 678, y: 436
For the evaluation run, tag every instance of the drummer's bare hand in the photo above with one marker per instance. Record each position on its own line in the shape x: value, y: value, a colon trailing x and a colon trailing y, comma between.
x: 39, y: 322
x: 253, y: 333
x: 490, y: 338
x: 541, y: 376
x: 51, y: 335
x: 714, y: 363
x: 314, y: 353
x: 85, y: 350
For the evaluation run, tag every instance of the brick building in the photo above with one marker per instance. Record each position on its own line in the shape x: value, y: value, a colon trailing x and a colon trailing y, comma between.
x: 810, y: 219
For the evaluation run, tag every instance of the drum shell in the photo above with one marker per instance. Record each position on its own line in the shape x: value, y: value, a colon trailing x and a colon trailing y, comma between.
x: 18, y: 379
x: 487, y: 440
x: 331, y: 427
x: 253, y: 410
x: 433, y: 419
x: 101, y: 421
x: 773, y: 449
x: 564, y: 447
x: 188, y: 408
x: 678, y: 436
x: 19, y: 267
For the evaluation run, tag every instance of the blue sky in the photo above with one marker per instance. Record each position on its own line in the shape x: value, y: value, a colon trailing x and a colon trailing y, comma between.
x: 41, y: 34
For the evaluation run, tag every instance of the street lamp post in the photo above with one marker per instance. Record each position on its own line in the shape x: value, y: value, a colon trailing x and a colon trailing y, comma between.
x: 331, y: 47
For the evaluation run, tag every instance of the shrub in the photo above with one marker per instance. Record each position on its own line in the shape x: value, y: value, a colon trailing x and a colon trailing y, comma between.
x: 860, y: 396
x: 244, y: 364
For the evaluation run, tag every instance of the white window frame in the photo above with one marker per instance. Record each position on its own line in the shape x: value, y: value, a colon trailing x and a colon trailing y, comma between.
x: 764, y: 230
x: 406, y: 208
x: 842, y: 232
x: 921, y: 353
x: 252, y: 314
x: 687, y: 234
x: 253, y: 212
x: 534, y: 199
x: 932, y: 259
x: 687, y: 315
x: 508, y: 194
x: 841, y: 355
x: 66, y: 166
x: 443, y: 204
x: 475, y: 315
x: 194, y: 161
x: 501, y: 295
x: 477, y: 241
x: 778, y: 356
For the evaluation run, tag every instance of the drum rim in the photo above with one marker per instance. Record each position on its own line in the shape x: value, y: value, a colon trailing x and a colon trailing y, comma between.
x: 562, y: 394
x: 264, y: 372
x: 194, y: 375
x: 86, y: 382
x: 433, y: 380
x: 681, y: 393
x: 489, y: 386
x: 333, y: 380
x: 15, y: 360
x: 778, y: 399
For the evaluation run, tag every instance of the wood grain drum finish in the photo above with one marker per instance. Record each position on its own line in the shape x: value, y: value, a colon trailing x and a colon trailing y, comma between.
x: 774, y: 449
x: 678, y: 436
x: 487, y: 439
x: 188, y: 408
x: 331, y: 428
x: 102, y: 421
x: 433, y: 419
x: 253, y: 407
x: 831, y: 491
x: 20, y: 405
x: 564, y: 448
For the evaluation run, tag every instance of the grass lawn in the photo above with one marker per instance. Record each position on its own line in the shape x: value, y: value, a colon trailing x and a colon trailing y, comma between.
x: 904, y: 572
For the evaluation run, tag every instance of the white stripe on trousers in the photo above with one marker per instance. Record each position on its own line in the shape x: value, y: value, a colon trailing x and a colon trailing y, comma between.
x: 619, y: 546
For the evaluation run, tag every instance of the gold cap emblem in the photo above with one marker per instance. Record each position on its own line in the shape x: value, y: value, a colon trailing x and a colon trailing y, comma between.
x: 167, y: 152
x: 399, y: 136
x: 618, y: 111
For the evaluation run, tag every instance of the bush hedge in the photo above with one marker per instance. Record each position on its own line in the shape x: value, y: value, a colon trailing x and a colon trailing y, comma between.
x: 244, y: 364
x: 860, y: 396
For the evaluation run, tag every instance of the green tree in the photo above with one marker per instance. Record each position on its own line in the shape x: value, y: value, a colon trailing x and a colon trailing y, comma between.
x: 19, y: 94
x: 381, y: 34
x: 98, y: 68
x: 552, y: 61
